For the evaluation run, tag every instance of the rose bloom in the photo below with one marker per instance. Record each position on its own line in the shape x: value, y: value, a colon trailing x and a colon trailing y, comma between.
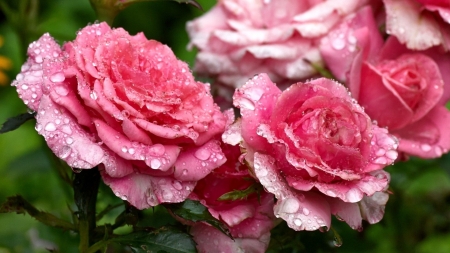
x: 128, y: 105
x: 238, y: 39
x: 249, y: 219
x: 401, y: 89
x: 315, y: 149
x: 420, y: 24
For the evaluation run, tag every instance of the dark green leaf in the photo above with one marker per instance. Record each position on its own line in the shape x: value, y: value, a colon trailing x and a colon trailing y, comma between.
x: 165, y: 239
x: 15, y: 122
x: 241, y: 194
x: 194, y: 211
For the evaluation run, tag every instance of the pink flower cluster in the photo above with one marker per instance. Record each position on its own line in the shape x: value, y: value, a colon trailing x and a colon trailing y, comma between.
x: 318, y: 148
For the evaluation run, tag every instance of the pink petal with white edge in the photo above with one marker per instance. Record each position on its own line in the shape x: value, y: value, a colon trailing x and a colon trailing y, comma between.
x: 349, y: 212
x: 428, y: 137
x: 195, y: 163
x: 262, y: 221
x: 65, y: 137
x: 237, y: 214
x: 232, y: 134
x: 210, y: 239
x: 256, y: 99
x: 301, y: 211
x: 383, y: 149
x: 413, y: 27
x: 116, y: 166
x: 372, y: 207
x: 157, y: 157
x: 144, y: 191
x: 29, y: 82
x: 354, y: 191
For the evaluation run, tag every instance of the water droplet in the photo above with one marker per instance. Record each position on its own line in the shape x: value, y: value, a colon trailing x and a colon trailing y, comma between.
x: 24, y: 87
x: 93, y: 95
x: 202, y: 154
x: 50, y: 127
x: 305, y: 211
x: 61, y: 90
x: 438, y: 150
x: 155, y: 164
x: 57, y: 77
x: 38, y: 59
x: 131, y: 151
x: 65, y: 152
x: 425, y: 147
x: 392, y: 154
x: 167, y: 195
x: 338, y: 44
x: 289, y: 205
x: 157, y: 150
x: 38, y: 127
x: 69, y: 140
x: 177, y: 185
x: 297, y: 222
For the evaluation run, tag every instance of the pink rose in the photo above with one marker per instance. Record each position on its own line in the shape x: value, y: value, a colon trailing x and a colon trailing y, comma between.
x: 420, y: 24
x: 238, y: 39
x: 399, y: 88
x: 315, y: 149
x: 249, y: 219
x: 127, y: 104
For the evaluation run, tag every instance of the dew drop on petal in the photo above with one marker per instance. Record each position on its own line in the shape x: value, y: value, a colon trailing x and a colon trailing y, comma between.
x: 202, y: 154
x: 177, y: 185
x: 338, y: 44
x: 425, y: 147
x: 289, y: 205
x: 305, y: 211
x: 50, y: 127
x: 65, y: 152
x: 297, y: 222
x: 93, y: 95
x: 157, y: 150
x: 155, y: 164
x: 61, y: 90
x: 57, y: 77
x: 69, y: 140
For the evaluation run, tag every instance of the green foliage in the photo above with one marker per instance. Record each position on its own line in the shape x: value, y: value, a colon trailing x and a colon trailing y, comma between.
x: 15, y: 122
x: 194, y: 211
x: 165, y: 239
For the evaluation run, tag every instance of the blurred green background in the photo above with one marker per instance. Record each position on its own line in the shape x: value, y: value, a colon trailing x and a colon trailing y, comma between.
x: 417, y: 215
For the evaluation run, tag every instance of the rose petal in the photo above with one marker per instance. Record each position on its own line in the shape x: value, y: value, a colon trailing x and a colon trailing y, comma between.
x: 209, y: 239
x: 197, y: 162
x: 417, y: 29
x: 297, y: 209
x: 29, y: 81
x: 428, y: 137
x: 256, y: 99
x: 144, y: 191
x: 65, y: 137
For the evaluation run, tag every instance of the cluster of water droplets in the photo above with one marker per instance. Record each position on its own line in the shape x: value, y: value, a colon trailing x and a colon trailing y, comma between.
x: 384, y: 148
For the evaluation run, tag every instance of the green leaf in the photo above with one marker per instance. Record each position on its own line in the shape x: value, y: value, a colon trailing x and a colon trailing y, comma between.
x: 165, y: 239
x: 194, y: 211
x: 15, y: 122
x: 241, y: 194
